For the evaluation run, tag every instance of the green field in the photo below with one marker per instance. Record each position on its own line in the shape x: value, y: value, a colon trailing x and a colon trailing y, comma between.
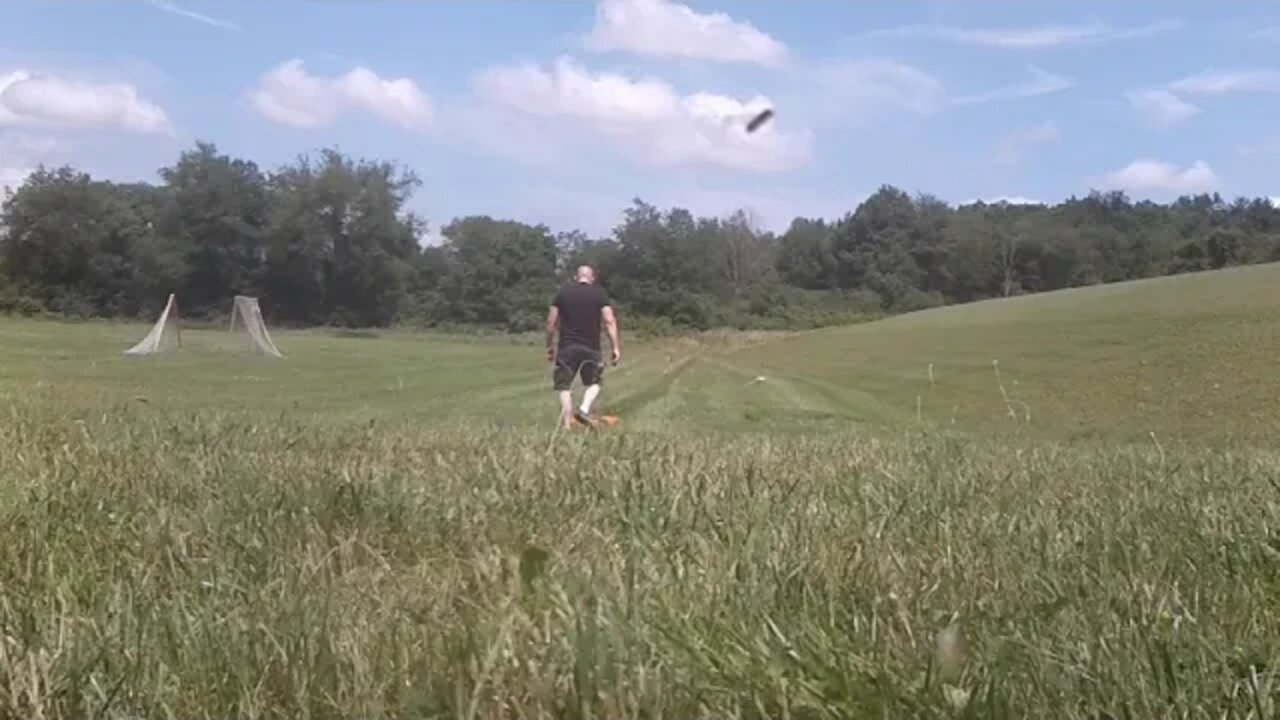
x: 1077, y: 487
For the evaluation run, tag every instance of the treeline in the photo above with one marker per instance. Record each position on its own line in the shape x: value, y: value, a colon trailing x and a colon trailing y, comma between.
x: 327, y: 239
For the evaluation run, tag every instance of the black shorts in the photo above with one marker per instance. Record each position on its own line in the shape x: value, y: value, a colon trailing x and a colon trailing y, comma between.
x: 576, y: 360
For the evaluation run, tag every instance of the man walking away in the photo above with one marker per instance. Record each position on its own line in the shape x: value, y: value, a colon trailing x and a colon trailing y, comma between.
x: 577, y: 313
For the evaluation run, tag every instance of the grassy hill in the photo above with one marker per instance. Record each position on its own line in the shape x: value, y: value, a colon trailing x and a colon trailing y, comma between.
x: 388, y: 527
x: 1191, y: 358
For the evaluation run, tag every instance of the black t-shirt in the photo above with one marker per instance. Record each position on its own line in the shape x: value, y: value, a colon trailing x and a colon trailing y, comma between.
x: 579, y: 305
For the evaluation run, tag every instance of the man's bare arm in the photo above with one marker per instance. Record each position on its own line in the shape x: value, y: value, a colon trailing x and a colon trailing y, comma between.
x: 611, y: 327
x: 553, y: 322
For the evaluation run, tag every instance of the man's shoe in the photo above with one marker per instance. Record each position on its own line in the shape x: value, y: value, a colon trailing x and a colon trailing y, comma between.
x: 583, y: 418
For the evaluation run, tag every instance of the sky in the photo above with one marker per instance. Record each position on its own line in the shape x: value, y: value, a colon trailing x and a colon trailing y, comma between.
x: 563, y: 111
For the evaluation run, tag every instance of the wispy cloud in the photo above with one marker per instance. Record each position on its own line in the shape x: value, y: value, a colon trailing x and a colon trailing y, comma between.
x: 1029, y: 37
x: 872, y: 86
x: 1161, y: 106
x: 1216, y: 82
x: 1015, y: 146
x: 173, y: 9
x: 1167, y: 104
x: 1041, y: 83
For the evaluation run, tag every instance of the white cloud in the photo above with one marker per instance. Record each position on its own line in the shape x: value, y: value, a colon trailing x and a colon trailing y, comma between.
x: 1013, y: 200
x: 662, y: 28
x: 20, y: 153
x: 496, y: 132
x: 1016, y: 145
x: 1147, y: 175
x: 1229, y: 81
x: 873, y: 86
x: 289, y: 95
x: 1030, y: 37
x: 1162, y: 106
x: 1167, y: 104
x: 11, y: 178
x: 1275, y: 201
x: 1033, y: 37
x: 1041, y: 83
x: 173, y: 9
x: 647, y: 117
x: 1004, y: 200
x: 28, y: 98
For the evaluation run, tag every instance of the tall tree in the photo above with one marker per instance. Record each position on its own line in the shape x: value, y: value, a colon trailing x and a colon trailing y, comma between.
x: 86, y: 247
x: 806, y: 255
x: 341, y: 247
x: 216, y: 207
x: 501, y: 272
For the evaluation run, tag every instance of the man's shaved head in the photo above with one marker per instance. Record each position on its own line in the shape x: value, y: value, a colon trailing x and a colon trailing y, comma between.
x: 586, y: 274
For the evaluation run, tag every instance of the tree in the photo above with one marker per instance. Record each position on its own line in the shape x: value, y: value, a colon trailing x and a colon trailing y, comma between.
x: 874, y: 245
x: 215, y: 209
x: 500, y: 272
x: 745, y: 252
x: 341, y: 248
x: 806, y: 255
x: 84, y: 247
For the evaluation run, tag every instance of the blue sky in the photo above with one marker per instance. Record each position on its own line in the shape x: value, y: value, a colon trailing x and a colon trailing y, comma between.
x: 562, y: 111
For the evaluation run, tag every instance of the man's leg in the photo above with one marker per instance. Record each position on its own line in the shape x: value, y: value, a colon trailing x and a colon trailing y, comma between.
x: 592, y: 376
x: 562, y: 380
x: 589, y: 397
x: 566, y: 408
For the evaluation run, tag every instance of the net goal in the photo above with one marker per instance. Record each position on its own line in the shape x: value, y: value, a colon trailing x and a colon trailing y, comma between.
x: 247, y: 329
x: 246, y: 321
x: 165, y: 335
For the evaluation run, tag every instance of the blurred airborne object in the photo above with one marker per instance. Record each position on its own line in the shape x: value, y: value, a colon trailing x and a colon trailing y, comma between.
x: 759, y: 120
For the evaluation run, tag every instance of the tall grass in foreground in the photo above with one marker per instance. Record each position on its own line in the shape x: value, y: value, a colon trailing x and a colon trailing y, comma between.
x: 218, y: 566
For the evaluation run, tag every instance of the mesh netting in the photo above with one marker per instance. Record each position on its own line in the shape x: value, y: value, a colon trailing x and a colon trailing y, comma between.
x: 164, y: 335
x: 246, y: 319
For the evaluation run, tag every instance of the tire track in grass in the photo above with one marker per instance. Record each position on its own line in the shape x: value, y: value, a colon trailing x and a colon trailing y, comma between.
x: 776, y: 399
x: 626, y: 389
x: 705, y: 389
x: 637, y: 408
x: 775, y: 386
x: 537, y: 397
x: 855, y: 403
x: 841, y: 399
x: 677, y: 406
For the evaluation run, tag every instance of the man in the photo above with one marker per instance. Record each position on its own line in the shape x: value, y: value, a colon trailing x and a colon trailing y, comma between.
x: 577, y: 313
